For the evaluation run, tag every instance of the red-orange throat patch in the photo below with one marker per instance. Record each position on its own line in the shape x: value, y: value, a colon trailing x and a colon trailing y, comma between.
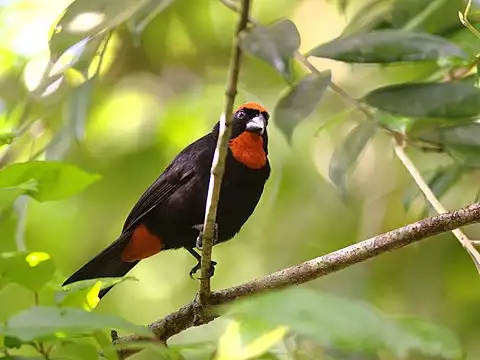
x: 247, y: 148
x: 142, y: 244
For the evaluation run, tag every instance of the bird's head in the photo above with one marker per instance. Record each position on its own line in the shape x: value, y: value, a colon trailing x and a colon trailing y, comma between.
x: 250, y: 117
x: 249, y: 140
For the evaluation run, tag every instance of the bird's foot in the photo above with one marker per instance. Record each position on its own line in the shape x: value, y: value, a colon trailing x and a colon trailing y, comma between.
x: 199, y: 242
x: 211, y: 270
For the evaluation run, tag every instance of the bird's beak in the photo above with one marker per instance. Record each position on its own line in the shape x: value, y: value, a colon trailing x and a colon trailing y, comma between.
x: 256, y: 125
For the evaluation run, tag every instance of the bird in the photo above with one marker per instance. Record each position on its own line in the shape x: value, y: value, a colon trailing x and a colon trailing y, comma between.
x: 171, y: 211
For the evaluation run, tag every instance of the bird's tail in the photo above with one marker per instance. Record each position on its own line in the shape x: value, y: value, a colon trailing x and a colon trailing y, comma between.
x: 106, y: 264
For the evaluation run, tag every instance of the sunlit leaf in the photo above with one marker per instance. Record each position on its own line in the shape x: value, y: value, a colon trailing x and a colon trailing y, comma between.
x: 41, y: 322
x: 344, y: 324
x: 456, y: 100
x: 84, y: 294
x: 8, y: 194
x: 230, y: 343
x: 300, y: 101
x: 54, y: 180
x: 139, y: 21
x: 260, y: 345
x: 387, y: 46
x: 82, y: 26
x: 275, y: 44
x: 6, y: 138
x: 348, y: 151
x: 23, y: 269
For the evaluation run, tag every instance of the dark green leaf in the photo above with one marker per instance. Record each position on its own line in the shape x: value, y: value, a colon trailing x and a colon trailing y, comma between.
x: 347, y: 153
x: 275, y: 44
x: 301, y: 101
x: 387, y: 46
x: 54, y: 180
x: 344, y: 324
x: 42, y: 322
x: 458, y: 100
x: 6, y: 138
x: 12, y: 342
x: 442, y: 180
x: 32, y: 270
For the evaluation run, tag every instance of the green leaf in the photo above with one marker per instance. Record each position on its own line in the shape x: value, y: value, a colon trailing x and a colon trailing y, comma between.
x: 12, y: 342
x: 81, y: 28
x: 388, y: 46
x: 8, y: 194
x: 343, y: 324
x: 44, y: 322
x: 31, y: 270
x: 71, y: 350
x: 275, y: 45
x: 201, y: 350
x: 368, y: 16
x: 462, y: 143
x: 77, y: 294
x: 18, y: 357
x: 139, y: 21
x: 456, y: 100
x: 347, y: 153
x: 53, y: 180
x: 433, y: 340
x: 301, y: 101
x: 6, y: 138
x: 442, y: 180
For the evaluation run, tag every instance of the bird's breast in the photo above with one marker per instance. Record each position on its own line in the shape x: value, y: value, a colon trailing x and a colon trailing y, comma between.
x: 247, y: 148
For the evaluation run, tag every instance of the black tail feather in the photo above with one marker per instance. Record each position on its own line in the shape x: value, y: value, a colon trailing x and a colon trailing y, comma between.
x: 106, y: 264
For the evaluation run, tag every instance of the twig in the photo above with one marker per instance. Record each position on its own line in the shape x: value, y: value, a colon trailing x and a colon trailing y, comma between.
x: 187, y: 316
x: 218, y: 164
x: 432, y: 199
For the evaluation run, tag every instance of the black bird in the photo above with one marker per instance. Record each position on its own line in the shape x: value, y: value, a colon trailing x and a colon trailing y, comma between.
x: 170, y: 213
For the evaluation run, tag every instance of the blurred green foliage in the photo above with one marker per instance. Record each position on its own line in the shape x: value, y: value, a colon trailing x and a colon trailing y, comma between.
x: 96, y: 97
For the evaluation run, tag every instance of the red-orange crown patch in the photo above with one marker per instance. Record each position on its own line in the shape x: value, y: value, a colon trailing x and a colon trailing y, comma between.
x: 252, y: 105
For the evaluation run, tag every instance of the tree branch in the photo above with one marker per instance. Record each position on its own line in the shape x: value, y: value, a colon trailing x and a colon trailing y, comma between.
x: 188, y: 316
x: 218, y: 164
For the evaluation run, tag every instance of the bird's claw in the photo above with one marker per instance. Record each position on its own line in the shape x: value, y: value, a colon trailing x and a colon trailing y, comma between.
x: 199, y: 242
x: 211, y: 270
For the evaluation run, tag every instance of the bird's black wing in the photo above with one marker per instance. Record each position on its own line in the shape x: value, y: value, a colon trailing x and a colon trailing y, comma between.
x: 177, y: 174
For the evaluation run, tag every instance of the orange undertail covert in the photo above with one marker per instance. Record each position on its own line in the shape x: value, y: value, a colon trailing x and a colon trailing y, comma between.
x: 142, y: 245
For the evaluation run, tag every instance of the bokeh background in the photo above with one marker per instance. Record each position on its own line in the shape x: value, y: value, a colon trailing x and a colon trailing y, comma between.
x: 161, y: 87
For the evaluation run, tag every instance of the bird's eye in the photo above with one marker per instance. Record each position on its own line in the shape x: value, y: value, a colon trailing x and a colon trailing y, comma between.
x: 241, y: 114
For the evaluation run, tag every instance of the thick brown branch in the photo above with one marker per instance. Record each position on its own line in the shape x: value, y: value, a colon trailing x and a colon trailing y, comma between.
x: 189, y: 315
x: 218, y: 164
